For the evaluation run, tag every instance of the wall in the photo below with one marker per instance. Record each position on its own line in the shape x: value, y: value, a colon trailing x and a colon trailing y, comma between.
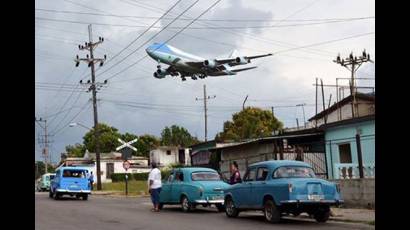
x: 346, y: 134
x: 160, y: 156
x: 358, y: 193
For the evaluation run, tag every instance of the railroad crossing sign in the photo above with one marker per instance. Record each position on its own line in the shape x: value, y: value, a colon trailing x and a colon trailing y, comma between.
x: 126, y: 148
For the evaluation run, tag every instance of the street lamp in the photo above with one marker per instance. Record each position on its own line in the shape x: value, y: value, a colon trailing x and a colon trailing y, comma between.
x: 96, y: 154
x: 303, y: 109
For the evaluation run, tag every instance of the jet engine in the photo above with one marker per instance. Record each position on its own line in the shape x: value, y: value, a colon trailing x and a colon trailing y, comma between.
x: 160, y: 73
x: 242, y: 60
x: 210, y: 63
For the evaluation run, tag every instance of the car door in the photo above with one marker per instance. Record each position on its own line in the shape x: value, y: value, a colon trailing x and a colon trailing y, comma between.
x: 165, y: 194
x: 259, y: 187
x: 244, y: 189
x: 176, y: 186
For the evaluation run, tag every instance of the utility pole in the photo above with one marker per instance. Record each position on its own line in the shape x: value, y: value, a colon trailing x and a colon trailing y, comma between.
x: 353, y: 64
x: 45, y: 142
x: 205, y: 98
x: 323, y: 100
x: 316, y: 105
x: 303, y: 109
x: 90, y: 46
x: 243, y: 105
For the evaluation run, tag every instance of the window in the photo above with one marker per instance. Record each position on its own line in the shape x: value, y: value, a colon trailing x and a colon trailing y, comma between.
x: 345, y: 153
x: 250, y: 175
x: 74, y: 173
x: 293, y: 171
x: 170, y: 178
x: 110, y: 170
x: 179, y: 176
x: 261, y: 174
x: 205, y: 176
x: 168, y: 152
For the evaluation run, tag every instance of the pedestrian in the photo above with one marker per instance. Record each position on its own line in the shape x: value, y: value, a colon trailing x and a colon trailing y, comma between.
x: 235, y: 174
x: 154, y: 185
x: 91, y: 180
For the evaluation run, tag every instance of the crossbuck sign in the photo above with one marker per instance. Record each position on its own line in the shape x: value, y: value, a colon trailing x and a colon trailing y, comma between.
x: 127, y: 144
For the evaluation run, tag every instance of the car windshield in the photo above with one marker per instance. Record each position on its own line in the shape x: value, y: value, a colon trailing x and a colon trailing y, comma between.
x: 205, y: 176
x: 74, y: 173
x: 293, y: 171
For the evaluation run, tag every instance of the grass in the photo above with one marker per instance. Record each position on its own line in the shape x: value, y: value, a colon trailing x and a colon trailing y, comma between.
x: 134, y: 187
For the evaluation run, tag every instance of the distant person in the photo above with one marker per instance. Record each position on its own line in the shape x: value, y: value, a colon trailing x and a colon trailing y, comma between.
x: 154, y: 185
x: 235, y: 174
x: 91, y: 179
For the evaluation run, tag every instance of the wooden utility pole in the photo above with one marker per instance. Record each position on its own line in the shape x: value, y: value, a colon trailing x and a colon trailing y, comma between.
x: 93, y: 88
x: 45, y: 142
x: 316, y: 105
x: 323, y: 100
x: 205, y: 98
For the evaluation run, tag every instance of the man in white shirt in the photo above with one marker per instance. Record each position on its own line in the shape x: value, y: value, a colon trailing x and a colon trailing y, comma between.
x: 154, y: 185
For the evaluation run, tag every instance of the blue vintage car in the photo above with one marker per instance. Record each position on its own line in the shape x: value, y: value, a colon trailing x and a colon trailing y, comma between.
x: 282, y: 187
x: 193, y: 186
x: 71, y: 181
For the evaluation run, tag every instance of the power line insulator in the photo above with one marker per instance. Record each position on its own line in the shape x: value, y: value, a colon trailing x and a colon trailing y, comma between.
x: 88, y: 56
x: 101, y: 63
x: 89, y: 64
x: 77, y: 64
x: 105, y: 56
x: 88, y: 81
x: 105, y: 81
x: 81, y: 81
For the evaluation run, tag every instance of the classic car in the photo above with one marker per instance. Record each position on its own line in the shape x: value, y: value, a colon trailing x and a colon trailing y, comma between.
x: 44, y: 182
x: 193, y: 186
x: 282, y: 187
x: 71, y: 181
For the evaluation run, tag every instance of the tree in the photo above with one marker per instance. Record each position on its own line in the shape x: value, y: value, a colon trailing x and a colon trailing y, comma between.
x: 76, y: 150
x: 177, y: 136
x: 39, y: 169
x: 108, y: 138
x: 146, y: 143
x: 249, y: 123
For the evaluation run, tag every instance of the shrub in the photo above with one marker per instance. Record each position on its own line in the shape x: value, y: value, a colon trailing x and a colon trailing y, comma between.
x: 140, y: 176
x: 116, y: 177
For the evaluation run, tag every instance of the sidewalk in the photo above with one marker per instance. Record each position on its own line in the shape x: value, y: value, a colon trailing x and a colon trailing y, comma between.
x: 353, y: 215
x: 116, y: 194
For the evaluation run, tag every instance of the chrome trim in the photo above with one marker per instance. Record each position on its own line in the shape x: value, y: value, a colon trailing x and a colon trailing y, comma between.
x: 73, y: 191
x: 221, y: 201
x: 313, y: 201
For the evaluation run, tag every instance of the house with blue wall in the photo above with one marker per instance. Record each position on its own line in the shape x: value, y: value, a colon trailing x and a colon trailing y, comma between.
x: 349, y: 137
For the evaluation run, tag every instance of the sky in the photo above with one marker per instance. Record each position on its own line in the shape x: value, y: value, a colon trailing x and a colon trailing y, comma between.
x: 136, y: 102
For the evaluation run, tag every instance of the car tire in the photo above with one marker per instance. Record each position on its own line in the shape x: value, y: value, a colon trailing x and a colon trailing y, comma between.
x: 230, y: 209
x: 271, y: 212
x: 57, y: 196
x: 50, y: 194
x: 85, y: 196
x: 220, y: 207
x: 322, y: 215
x: 186, y: 206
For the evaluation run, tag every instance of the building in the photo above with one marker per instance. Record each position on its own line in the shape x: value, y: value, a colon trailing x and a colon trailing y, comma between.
x: 201, y: 153
x: 167, y: 155
x: 109, y: 163
x: 342, y: 110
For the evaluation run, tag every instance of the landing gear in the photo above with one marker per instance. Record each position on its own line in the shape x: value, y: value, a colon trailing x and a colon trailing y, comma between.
x: 202, y: 76
x: 183, y: 79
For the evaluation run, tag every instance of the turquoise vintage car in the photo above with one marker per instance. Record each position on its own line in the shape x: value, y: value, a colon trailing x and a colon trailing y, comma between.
x: 44, y: 182
x: 193, y: 186
x: 71, y: 181
x: 282, y: 187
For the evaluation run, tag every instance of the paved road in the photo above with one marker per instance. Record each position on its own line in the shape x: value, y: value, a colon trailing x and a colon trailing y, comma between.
x: 134, y: 214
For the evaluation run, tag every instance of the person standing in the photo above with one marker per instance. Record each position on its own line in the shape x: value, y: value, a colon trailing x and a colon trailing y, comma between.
x: 154, y: 186
x: 235, y: 174
x: 91, y: 180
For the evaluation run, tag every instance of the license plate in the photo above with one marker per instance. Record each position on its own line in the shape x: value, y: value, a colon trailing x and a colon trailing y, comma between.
x: 315, y: 197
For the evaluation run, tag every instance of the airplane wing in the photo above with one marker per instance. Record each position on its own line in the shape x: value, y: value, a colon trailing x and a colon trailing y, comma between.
x: 243, y: 69
x: 230, y: 61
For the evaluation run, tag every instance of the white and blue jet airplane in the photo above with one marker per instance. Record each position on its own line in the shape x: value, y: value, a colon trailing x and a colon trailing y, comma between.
x: 187, y: 65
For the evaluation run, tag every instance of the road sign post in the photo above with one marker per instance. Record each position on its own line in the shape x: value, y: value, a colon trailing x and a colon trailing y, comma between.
x: 126, y: 165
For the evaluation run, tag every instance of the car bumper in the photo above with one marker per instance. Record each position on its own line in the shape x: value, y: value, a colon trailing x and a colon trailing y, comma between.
x: 330, y: 202
x: 73, y: 191
x: 221, y: 201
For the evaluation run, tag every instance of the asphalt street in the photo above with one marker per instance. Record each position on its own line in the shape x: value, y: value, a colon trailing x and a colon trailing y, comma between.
x: 134, y: 214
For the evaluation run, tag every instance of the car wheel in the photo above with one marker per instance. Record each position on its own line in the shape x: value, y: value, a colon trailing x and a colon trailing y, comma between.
x: 50, y: 194
x: 85, y: 196
x: 322, y: 215
x: 220, y: 207
x: 230, y: 209
x: 185, y: 204
x: 56, y: 196
x: 271, y: 212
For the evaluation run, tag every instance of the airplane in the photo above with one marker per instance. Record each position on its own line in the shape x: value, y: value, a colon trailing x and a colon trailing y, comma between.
x: 188, y: 65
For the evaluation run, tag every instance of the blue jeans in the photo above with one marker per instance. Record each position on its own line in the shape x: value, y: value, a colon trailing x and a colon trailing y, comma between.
x: 155, y: 195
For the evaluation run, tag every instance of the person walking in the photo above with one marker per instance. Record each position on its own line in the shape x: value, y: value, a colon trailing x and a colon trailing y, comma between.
x: 235, y: 174
x: 91, y: 180
x: 154, y: 185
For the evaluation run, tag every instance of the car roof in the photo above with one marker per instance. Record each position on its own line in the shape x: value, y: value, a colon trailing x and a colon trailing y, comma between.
x: 195, y: 169
x: 279, y: 163
x: 72, y: 168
